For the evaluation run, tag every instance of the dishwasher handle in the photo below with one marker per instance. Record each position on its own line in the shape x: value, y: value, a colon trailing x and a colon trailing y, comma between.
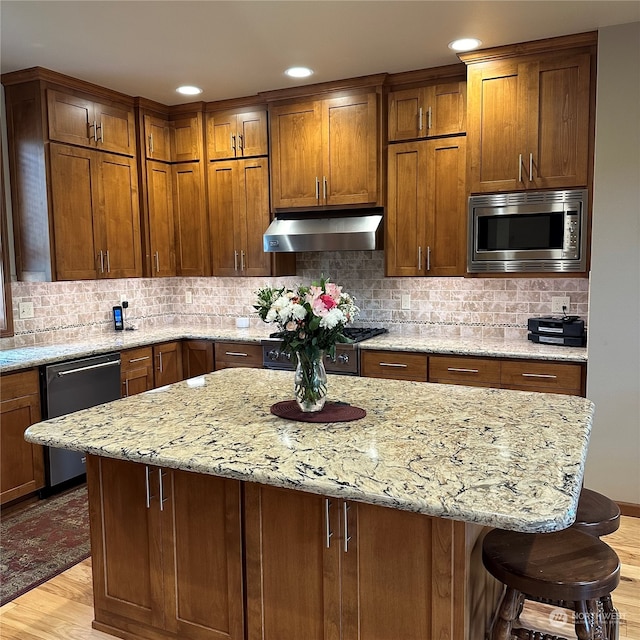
x: 100, y: 365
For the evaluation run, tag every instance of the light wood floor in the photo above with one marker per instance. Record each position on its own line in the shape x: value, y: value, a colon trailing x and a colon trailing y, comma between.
x: 62, y: 609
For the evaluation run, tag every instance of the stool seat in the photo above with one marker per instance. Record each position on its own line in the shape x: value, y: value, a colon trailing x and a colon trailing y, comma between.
x: 596, y: 514
x: 565, y: 565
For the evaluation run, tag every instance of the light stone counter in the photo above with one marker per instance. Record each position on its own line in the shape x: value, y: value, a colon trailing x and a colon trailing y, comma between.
x: 501, y: 458
x: 26, y: 357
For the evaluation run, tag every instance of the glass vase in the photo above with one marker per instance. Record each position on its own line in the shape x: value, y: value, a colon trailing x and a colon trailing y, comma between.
x: 310, y: 382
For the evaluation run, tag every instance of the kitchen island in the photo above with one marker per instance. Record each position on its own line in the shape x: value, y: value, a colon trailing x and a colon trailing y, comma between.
x: 210, y: 515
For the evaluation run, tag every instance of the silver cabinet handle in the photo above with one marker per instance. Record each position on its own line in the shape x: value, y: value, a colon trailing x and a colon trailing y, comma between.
x: 233, y: 143
x: 235, y: 260
x: 420, y: 119
x: 101, y: 133
x: 547, y: 376
x: 429, y: 118
x: 324, y: 188
x: 317, y: 189
x: 520, y: 168
x: 241, y: 260
x: 393, y: 364
x: 108, y: 262
x: 157, y: 261
x: 101, y: 262
x: 161, y: 484
x: 419, y: 258
x: 95, y: 131
x: 240, y: 143
x: 456, y: 370
x: 160, y: 362
x: 347, y: 537
x: 100, y: 365
x: 126, y: 388
x: 91, y: 126
x: 146, y: 481
x: 328, y: 532
x: 239, y: 354
x: 428, y: 258
x: 139, y: 359
x: 151, y: 143
x: 531, y: 167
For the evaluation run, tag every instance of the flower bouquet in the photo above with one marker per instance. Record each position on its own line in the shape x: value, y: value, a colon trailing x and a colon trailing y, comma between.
x: 311, y: 320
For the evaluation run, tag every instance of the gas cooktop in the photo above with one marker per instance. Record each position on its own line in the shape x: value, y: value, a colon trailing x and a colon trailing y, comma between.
x: 357, y: 334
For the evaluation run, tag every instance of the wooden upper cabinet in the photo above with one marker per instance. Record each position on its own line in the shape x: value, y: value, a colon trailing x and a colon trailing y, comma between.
x: 236, y: 135
x: 426, y: 112
x: 85, y: 122
x: 157, y: 138
x: 325, y: 152
x: 187, y: 138
x: 426, y: 208
x: 94, y: 203
x: 161, y: 222
x: 529, y: 122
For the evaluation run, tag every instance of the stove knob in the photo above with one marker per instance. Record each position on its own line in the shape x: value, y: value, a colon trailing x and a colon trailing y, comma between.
x: 274, y: 354
x: 343, y: 358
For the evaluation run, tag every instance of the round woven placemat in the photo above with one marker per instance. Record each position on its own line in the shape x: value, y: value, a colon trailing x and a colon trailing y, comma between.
x: 331, y: 412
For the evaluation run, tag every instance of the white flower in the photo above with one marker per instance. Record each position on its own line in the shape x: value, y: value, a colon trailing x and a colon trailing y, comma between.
x: 272, y: 315
x: 333, y: 318
x: 298, y: 312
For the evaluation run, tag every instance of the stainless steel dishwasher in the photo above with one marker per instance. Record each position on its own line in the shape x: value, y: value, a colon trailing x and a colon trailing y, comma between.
x: 72, y: 386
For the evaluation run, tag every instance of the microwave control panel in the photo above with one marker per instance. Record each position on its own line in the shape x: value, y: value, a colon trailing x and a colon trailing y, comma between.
x: 571, y: 234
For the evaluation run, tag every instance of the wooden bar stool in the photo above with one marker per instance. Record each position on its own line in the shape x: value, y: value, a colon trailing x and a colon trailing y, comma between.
x: 596, y: 514
x: 566, y: 566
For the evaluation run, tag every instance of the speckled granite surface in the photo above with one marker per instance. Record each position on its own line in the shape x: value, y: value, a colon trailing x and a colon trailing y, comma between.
x: 25, y: 357
x: 501, y: 458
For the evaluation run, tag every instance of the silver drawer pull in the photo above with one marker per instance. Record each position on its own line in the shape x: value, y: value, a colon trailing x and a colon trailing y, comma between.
x: 328, y: 532
x: 393, y: 364
x: 347, y: 537
x: 539, y: 375
x: 236, y: 353
x: 456, y: 370
x: 139, y: 359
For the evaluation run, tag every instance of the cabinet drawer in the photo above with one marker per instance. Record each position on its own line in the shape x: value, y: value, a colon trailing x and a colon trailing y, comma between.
x: 470, y: 371
x: 133, y: 359
x: 17, y: 385
x: 548, y: 377
x: 394, y: 365
x: 238, y: 354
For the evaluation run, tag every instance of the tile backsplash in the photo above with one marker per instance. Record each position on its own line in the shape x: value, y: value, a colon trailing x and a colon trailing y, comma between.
x: 467, y: 307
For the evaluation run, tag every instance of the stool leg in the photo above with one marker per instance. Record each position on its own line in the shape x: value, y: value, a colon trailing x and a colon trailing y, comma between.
x: 611, y: 618
x: 507, y: 614
x: 587, y: 621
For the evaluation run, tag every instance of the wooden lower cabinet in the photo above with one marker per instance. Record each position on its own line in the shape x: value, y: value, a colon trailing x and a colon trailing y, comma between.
x: 167, y: 552
x: 197, y: 358
x: 394, y: 365
x: 238, y: 354
x: 136, y: 371
x: 167, y: 359
x: 21, y: 463
x: 327, y: 569
x: 474, y: 372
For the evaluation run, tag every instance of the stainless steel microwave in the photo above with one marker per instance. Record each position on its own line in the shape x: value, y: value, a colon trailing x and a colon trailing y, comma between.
x: 528, y: 231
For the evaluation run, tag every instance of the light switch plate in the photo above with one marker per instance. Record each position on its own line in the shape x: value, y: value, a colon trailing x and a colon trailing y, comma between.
x: 188, y: 297
x: 406, y: 301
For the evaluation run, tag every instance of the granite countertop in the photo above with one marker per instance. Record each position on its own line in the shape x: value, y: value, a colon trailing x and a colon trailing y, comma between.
x: 26, y: 357
x: 508, y: 459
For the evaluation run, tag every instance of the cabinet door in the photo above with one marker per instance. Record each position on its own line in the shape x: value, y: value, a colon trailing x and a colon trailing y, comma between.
x: 120, y: 218
x: 406, y: 114
x: 125, y: 541
x: 202, y: 556
x: 296, y: 155
x: 445, y: 109
x: 190, y: 216
x: 222, y: 141
x: 74, y: 203
x: 402, y: 575
x: 157, y: 137
x: 251, y: 131
x: 21, y: 463
x: 292, y: 564
x: 187, y: 138
x: 497, y: 100
x: 446, y: 206
x: 161, y: 224
x: 197, y: 357
x: 405, y: 240
x: 168, y: 363
x: 115, y: 126
x: 224, y: 204
x: 253, y: 194
x: 136, y: 372
x: 558, y: 122
x: 71, y: 119
x: 350, y: 139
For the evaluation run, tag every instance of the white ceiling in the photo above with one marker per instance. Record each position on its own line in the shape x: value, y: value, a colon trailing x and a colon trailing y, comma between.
x: 238, y: 48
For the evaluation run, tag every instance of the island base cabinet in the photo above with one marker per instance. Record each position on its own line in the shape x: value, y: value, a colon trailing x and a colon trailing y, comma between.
x: 329, y: 569
x: 167, y: 552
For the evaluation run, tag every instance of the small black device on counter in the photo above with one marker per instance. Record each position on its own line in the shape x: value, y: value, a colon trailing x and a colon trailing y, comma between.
x: 567, y: 331
x: 118, y: 320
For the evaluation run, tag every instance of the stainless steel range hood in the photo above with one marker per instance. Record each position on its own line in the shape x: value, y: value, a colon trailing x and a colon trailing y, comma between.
x: 336, y: 233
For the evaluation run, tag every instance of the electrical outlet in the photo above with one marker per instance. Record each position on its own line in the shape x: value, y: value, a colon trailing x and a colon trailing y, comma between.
x: 560, y: 304
x: 25, y: 310
x: 188, y: 297
x: 406, y: 301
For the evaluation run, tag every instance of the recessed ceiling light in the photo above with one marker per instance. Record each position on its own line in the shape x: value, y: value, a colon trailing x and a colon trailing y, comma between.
x: 188, y: 90
x: 465, y: 44
x: 298, y: 72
